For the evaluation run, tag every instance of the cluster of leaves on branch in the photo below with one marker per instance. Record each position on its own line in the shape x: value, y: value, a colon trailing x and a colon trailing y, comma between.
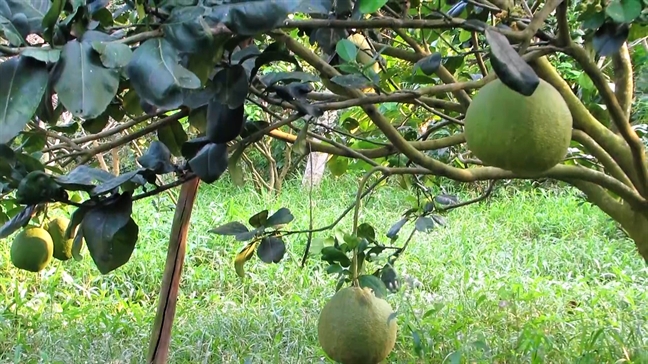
x: 169, y: 66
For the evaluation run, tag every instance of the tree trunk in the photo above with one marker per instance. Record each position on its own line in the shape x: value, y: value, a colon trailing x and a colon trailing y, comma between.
x: 633, y: 220
x: 316, y: 161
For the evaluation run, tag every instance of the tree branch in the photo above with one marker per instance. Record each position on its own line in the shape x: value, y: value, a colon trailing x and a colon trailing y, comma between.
x: 617, y: 115
x: 537, y: 21
x: 623, y: 79
x: 601, y: 155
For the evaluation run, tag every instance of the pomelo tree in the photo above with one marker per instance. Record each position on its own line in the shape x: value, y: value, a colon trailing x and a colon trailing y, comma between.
x: 181, y: 74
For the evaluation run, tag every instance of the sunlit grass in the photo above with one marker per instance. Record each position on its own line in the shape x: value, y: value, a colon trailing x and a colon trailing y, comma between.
x: 525, y: 277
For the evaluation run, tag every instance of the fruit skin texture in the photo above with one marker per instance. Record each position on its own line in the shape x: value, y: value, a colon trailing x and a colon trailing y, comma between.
x: 32, y: 249
x: 356, y: 327
x: 518, y: 133
x: 62, y: 247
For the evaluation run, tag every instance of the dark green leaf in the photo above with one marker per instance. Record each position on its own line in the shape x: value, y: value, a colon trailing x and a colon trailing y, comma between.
x: 439, y: 220
x: 352, y: 81
x: 42, y: 54
x: 83, y: 178
x: 259, y: 219
x: 609, y: 38
x: 18, y: 221
x: 334, y: 269
x: 273, y: 53
x: 76, y: 219
x: 223, y: 123
x: 373, y: 282
x: 20, y: 76
x: 110, y: 232
x: 510, y: 68
x: 334, y: 255
x: 430, y: 64
x: 287, y: 77
x: 173, y: 136
x: 33, y: 10
x: 230, y: 228
x: 280, y: 217
x: 389, y: 278
x: 157, y: 158
x: 157, y: 76
x: 50, y: 19
x: 446, y: 200
x: 191, y: 147
x: 247, y: 236
x: 11, y: 32
x: 84, y: 86
x: 186, y: 29
x: 115, y: 182
x: 113, y: 54
x: 252, y: 16
x: 232, y: 86
x: 395, y: 229
x: 210, y: 162
x: 38, y: 187
x: 111, y: 253
x: 424, y: 224
x: 366, y: 231
x: 271, y: 249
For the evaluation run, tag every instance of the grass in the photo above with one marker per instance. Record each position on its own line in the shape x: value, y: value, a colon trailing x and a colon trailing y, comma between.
x: 527, y: 277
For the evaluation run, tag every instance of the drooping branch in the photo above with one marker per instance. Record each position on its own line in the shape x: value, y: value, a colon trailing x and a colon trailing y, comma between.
x: 436, y: 167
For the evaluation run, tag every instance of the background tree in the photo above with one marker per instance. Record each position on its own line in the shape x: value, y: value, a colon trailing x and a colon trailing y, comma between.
x: 184, y: 77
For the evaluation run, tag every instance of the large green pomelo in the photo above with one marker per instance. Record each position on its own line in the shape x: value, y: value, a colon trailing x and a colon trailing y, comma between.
x: 356, y: 327
x: 32, y: 249
x: 523, y: 134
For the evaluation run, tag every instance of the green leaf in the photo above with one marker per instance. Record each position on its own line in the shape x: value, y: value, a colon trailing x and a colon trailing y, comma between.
x: 430, y: 64
x: 224, y: 124
x: 338, y: 165
x: 112, y: 54
x: 50, y: 19
x: 347, y: 50
x: 84, y: 86
x: 173, y: 136
x: 157, y: 76
x: 375, y: 283
x: 23, y: 83
x: 371, y: 6
x: 157, y: 158
x: 234, y: 167
x: 623, y: 11
x: 18, y: 221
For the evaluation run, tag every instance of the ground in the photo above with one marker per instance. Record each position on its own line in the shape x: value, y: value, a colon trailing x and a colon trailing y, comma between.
x: 531, y: 276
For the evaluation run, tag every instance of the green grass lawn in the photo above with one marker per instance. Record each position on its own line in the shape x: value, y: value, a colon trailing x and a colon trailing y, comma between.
x: 523, y: 278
